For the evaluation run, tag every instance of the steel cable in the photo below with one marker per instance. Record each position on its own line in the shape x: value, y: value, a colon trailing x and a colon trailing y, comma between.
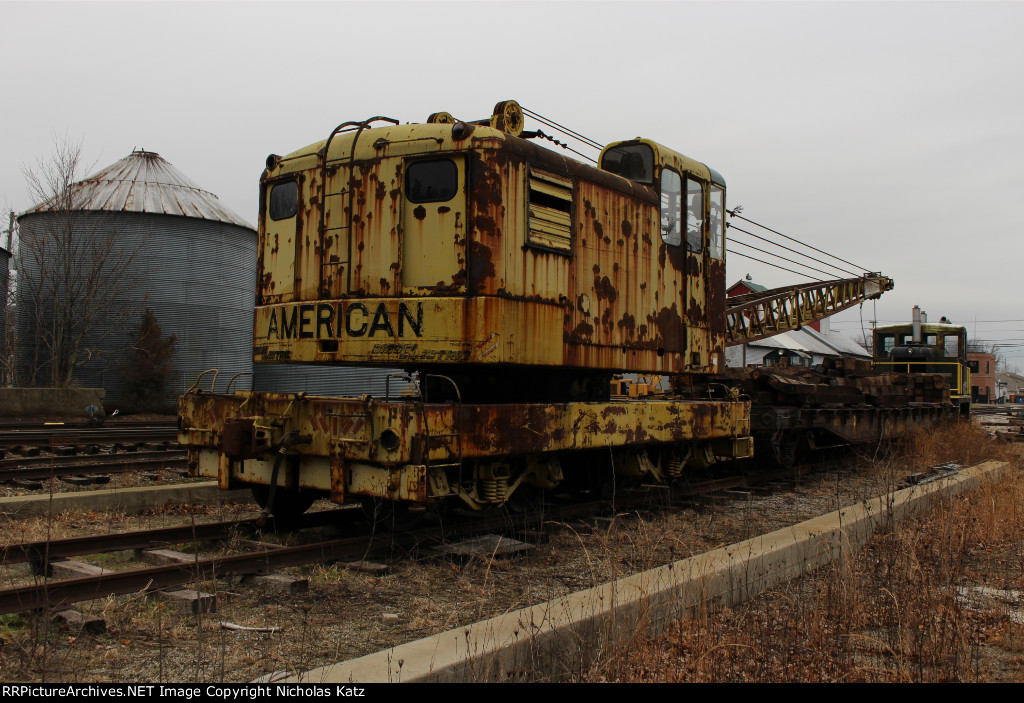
x: 798, y: 253
x: 734, y: 213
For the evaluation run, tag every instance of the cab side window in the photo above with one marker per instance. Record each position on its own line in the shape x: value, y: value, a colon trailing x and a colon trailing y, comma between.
x: 671, y: 207
x: 716, y: 223
x: 694, y: 215
x: 951, y: 346
x: 431, y: 181
x: 635, y: 162
x: 284, y: 200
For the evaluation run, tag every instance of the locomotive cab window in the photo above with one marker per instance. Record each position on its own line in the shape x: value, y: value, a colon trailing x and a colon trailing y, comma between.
x: 284, y: 200
x: 716, y: 223
x: 671, y: 207
x: 694, y: 215
x: 431, y: 181
x: 635, y: 162
x: 951, y: 346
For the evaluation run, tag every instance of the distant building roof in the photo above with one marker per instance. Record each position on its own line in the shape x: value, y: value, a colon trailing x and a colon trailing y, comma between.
x: 145, y: 182
x: 842, y: 344
x: 807, y: 340
x: 744, y: 286
x: 1012, y: 380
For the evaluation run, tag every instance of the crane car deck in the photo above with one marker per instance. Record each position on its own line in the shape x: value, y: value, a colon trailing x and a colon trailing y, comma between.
x: 410, y: 450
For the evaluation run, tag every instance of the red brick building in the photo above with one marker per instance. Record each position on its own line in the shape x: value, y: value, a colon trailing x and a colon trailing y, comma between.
x: 983, y: 381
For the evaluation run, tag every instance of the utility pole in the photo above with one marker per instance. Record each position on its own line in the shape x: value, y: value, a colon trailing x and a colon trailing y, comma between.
x: 5, y: 370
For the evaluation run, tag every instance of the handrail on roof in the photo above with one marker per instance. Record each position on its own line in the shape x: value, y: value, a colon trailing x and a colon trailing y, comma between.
x: 358, y: 127
x: 349, y: 126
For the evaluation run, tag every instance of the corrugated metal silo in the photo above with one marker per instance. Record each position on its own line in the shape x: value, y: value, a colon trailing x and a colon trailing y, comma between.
x: 194, y: 262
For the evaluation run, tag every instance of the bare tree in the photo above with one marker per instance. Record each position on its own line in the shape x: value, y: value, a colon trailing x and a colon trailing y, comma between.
x: 8, y: 333
x: 74, y: 273
x: 148, y: 371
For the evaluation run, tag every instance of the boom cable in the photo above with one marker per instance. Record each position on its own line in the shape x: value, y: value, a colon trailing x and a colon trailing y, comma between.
x: 563, y: 129
x: 805, y: 275
x: 735, y: 213
x: 565, y: 146
x: 779, y: 256
x: 798, y: 253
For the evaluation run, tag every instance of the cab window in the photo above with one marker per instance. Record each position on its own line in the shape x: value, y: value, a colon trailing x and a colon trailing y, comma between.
x: 671, y: 207
x: 431, y: 181
x: 694, y: 215
x: 716, y: 223
x: 635, y: 162
x: 951, y: 346
x: 284, y: 200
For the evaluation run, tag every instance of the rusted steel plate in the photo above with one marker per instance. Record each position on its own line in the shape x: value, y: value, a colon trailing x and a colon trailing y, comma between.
x: 353, y: 428
x: 851, y: 425
x: 607, y: 292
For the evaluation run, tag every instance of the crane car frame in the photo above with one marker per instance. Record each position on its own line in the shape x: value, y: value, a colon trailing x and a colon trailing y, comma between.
x: 514, y: 282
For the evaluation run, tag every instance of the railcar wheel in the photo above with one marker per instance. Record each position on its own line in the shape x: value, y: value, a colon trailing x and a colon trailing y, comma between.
x: 791, y: 449
x: 289, y: 504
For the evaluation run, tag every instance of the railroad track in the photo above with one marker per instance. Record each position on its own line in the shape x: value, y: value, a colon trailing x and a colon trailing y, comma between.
x: 1005, y: 422
x: 60, y: 435
x: 56, y: 594
x: 81, y: 424
x: 45, y: 467
x: 264, y: 558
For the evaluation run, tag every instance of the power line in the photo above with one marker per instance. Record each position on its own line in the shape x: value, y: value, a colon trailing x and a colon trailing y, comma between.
x: 991, y: 329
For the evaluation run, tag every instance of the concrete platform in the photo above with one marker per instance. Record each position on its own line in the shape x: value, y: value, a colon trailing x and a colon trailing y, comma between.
x: 563, y: 636
x: 47, y: 402
x: 127, y: 500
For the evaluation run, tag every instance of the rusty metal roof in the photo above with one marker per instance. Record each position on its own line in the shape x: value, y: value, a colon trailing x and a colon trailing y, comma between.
x: 145, y: 182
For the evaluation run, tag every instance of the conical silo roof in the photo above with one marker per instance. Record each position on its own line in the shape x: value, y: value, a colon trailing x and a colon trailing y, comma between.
x: 146, y: 183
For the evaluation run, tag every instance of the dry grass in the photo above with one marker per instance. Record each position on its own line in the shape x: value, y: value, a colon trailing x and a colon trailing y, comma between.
x: 932, y: 600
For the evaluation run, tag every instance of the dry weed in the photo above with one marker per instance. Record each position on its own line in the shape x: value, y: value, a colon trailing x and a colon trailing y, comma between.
x: 895, y: 612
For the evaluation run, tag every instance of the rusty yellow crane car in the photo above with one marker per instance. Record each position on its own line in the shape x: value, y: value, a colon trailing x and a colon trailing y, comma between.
x: 514, y: 281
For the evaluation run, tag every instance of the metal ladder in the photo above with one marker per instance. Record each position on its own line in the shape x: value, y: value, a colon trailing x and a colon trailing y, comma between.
x: 455, y: 437
x: 345, y: 193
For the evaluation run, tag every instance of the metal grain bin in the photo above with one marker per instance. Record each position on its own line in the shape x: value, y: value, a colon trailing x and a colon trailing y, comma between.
x: 193, y: 263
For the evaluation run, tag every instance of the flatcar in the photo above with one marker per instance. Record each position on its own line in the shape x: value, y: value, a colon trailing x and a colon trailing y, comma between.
x: 514, y: 282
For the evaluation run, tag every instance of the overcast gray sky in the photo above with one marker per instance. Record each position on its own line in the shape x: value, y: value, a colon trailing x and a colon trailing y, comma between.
x: 890, y: 134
